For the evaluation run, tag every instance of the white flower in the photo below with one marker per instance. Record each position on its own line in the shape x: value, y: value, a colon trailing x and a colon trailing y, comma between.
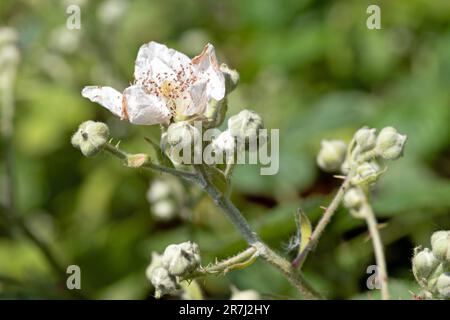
x: 167, y: 85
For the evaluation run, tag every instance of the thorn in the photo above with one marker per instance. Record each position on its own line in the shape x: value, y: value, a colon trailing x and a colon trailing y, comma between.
x: 323, y: 208
x: 340, y: 177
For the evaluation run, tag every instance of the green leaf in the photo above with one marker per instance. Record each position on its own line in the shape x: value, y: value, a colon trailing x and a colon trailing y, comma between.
x: 304, y: 229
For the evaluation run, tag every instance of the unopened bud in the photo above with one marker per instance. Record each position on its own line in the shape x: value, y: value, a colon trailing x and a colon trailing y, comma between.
x: 154, y: 263
x: 181, y: 259
x: 353, y: 198
x: 224, y: 143
x: 366, y: 138
x: 440, y: 243
x: 90, y: 137
x: 245, y: 125
x: 390, y: 143
x: 424, y: 263
x: 366, y: 173
x: 163, y: 282
x: 159, y: 189
x: 164, y: 210
x: 443, y: 285
x: 331, y: 155
x: 137, y: 160
x: 181, y: 139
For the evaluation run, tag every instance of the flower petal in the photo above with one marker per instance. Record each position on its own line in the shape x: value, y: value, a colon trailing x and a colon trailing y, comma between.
x: 107, y: 97
x: 148, y: 52
x: 206, y: 64
x: 192, y: 101
x: 145, y: 109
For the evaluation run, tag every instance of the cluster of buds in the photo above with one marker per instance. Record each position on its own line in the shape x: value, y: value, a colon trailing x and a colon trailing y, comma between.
x: 431, y: 268
x: 360, y: 161
x: 167, y: 270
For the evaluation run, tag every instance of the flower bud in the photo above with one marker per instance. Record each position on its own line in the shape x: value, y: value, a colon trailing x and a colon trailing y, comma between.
x: 353, y: 198
x: 180, y: 259
x: 440, y: 243
x: 155, y: 262
x: 443, y: 285
x: 159, y: 190
x: 231, y: 78
x: 164, y: 210
x: 424, y: 263
x: 367, y: 172
x: 163, y: 282
x: 224, y: 143
x: 90, y: 137
x: 331, y: 155
x: 181, y: 138
x: 245, y: 125
x: 366, y: 138
x: 390, y: 143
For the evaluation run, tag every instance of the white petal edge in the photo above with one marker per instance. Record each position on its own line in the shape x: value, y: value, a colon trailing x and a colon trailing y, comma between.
x: 107, y: 97
x: 153, y: 50
x: 206, y: 64
x: 144, y: 109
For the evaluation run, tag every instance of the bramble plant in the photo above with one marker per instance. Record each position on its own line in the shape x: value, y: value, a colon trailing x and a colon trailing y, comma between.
x: 178, y: 93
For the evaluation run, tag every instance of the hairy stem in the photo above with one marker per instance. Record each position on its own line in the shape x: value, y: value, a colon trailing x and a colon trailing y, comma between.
x: 323, y: 222
x: 237, y: 219
x: 252, y: 239
x: 378, y: 249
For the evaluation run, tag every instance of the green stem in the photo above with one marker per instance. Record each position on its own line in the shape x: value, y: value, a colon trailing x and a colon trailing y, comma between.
x: 323, y: 222
x: 377, y: 248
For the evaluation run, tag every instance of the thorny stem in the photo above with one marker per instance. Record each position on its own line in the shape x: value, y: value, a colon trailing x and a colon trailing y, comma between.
x: 323, y: 222
x: 201, y: 177
x: 252, y: 238
x: 377, y: 247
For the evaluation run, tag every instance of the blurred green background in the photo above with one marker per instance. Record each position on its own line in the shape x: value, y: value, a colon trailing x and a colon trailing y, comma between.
x: 310, y: 68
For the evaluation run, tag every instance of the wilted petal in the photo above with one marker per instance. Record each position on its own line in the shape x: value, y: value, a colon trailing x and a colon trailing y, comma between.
x: 148, y: 52
x: 206, y: 65
x: 142, y: 108
x: 107, y: 97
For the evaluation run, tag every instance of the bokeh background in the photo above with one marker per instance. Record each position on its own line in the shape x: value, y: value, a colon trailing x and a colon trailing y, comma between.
x: 310, y: 68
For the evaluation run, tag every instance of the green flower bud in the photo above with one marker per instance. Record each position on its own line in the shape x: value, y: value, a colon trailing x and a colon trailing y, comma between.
x: 181, y: 259
x: 353, y: 198
x: 163, y: 282
x: 390, y: 143
x: 424, y: 263
x: 90, y: 137
x: 367, y: 172
x: 331, y: 155
x: 443, y: 285
x: 440, y: 243
x: 245, y: 125
x: 231, y: 78
x: 366, y: 138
